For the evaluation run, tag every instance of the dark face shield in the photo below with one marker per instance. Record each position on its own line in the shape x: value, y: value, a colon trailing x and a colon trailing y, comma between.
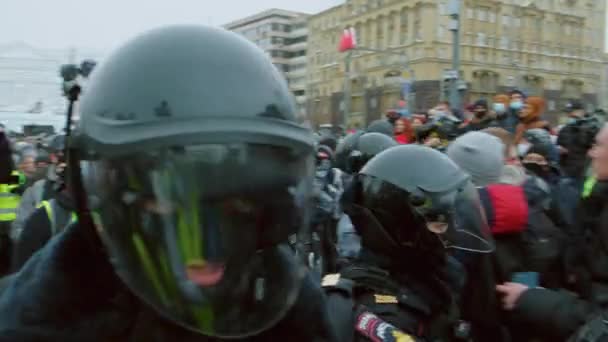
x: 457, y: 217
x: 193, y: 231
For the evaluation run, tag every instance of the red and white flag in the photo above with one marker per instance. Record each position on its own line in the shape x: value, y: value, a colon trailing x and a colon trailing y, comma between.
x: 348, y: 40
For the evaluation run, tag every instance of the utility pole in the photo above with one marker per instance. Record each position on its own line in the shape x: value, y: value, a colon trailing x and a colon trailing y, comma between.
x: 454, y: 12
x: 347, y: 86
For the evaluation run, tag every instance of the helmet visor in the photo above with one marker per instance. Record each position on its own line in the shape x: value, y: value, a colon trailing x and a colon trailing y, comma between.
x: 193, y: 231
x: 457, y: 217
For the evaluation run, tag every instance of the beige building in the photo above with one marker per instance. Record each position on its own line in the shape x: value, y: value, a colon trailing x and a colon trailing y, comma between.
x: 283, y: 35
x: 552, y: 48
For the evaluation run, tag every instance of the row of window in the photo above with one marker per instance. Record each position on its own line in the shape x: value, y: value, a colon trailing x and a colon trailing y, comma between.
x: 261, y: 30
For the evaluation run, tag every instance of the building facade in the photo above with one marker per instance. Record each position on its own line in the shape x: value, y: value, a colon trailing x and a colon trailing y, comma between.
x: 283, y: 35
x: 551, y: 48
x: 29, y: 76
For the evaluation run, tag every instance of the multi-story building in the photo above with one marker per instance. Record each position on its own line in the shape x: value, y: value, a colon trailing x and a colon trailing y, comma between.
x: 283, y: 35
x: 29, y: 76
x: 552, y: 48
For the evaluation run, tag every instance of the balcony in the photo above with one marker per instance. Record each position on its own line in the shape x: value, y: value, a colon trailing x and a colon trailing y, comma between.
x: 296, y: 86
x: 299, y: 32
x: 298, y: 60
x: 301, y: 99
x: 295, y: 47
x: 296, y: 73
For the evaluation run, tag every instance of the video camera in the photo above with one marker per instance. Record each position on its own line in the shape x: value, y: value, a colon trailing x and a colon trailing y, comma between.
x: 70, y: 72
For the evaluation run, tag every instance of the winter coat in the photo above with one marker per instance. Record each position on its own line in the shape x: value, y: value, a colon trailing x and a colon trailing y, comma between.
x: 508, y: 120
x: 559, y: 314
x: 577, y: 138
x: 480, y: 124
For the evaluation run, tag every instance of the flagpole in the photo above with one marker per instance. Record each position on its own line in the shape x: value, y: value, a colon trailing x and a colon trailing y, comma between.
x: 347, y: 90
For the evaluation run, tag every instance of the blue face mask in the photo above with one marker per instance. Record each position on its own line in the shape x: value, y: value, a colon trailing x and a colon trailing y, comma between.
x: 499, y: 108
x: 517, y: 105
x: 571, y: 121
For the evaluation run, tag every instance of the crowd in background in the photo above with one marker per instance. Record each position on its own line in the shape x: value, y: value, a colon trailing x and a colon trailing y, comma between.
x: 543, y: 199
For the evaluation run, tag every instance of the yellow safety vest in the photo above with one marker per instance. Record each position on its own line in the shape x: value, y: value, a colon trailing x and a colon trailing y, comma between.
x: 9, y: 202
x: 48, y: 207
x: 588, y: 186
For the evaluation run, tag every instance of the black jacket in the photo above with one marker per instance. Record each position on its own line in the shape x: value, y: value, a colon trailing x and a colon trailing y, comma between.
x: 577, y: 138
x: 6, y: 160
x: 69, y: 292
x: 559, y: 314
x: 37, y: 230
x: 486, y: 122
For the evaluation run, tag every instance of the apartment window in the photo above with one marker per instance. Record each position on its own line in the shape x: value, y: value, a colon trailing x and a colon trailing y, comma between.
x: 443, y: 8
x: 506, y: 20
x: 516, y: 22
x: 440, y: 32
x: 417, y: 33
x: 482, y: 14
x: 492, y: 17
x: 470, y: 13
x: 481, y: 39
x: 380, y: 31
x: 403, y: 23
x: 504, y: 42
x: 391, y: 28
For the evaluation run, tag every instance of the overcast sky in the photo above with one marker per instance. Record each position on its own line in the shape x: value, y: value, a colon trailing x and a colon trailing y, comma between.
x: 103, y: 24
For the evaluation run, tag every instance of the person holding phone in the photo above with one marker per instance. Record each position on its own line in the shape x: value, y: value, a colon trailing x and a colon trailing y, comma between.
x: 560, y: 314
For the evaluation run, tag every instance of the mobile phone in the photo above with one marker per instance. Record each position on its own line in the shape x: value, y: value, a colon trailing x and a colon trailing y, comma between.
x: 530, y: 279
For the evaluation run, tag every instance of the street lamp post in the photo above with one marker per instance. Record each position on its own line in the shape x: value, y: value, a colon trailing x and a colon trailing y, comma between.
x: 454, y: 12
x: 347, y: 86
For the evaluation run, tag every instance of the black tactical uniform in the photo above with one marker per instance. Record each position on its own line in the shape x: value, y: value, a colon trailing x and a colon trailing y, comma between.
x: 190, y: 170
x: 409, y: 204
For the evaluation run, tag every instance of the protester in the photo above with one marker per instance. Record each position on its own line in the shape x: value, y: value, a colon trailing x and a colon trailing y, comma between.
x: 510, y: 118
x: 482, y: 118
x: 404, y: 133
x: 43, y: 189
x: 530, y: 117
x: 9, y: 200
x: 575, y: 140
x: 480, y: 155
x: 558, y: 315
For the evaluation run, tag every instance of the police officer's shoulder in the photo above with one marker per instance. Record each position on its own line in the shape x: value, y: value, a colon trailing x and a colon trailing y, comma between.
x: 335, y: 282
x: 375, y: 328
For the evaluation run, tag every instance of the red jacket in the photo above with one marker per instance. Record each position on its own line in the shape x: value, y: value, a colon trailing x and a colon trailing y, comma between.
x: 402, y: 139
x: 506, y: 208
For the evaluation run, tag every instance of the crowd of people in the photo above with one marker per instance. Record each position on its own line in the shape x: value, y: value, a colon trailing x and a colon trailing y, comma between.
x: 190, y: 204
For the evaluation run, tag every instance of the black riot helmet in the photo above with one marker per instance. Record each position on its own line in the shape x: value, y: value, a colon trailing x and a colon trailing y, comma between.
x: 368, y: 145
x: 357, y: 149
x: 411, y: 202
x: 381, y: 126
x: 344, y: 149
x: 196, y: 168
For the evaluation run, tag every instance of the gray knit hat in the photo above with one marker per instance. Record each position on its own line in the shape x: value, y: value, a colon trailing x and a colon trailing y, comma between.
x: 479, y: 154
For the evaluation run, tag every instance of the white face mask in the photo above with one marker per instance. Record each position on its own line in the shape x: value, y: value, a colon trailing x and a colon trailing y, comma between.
x: 522, y: 149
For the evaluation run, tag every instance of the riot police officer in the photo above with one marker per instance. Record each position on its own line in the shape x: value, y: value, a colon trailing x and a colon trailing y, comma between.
x: 190, y: 170
x: 410, y: 204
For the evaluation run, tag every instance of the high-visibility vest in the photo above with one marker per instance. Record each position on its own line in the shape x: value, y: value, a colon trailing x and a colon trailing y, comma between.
x: 9, y: 202
x: 51, y: 207
x: 588, y: 186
